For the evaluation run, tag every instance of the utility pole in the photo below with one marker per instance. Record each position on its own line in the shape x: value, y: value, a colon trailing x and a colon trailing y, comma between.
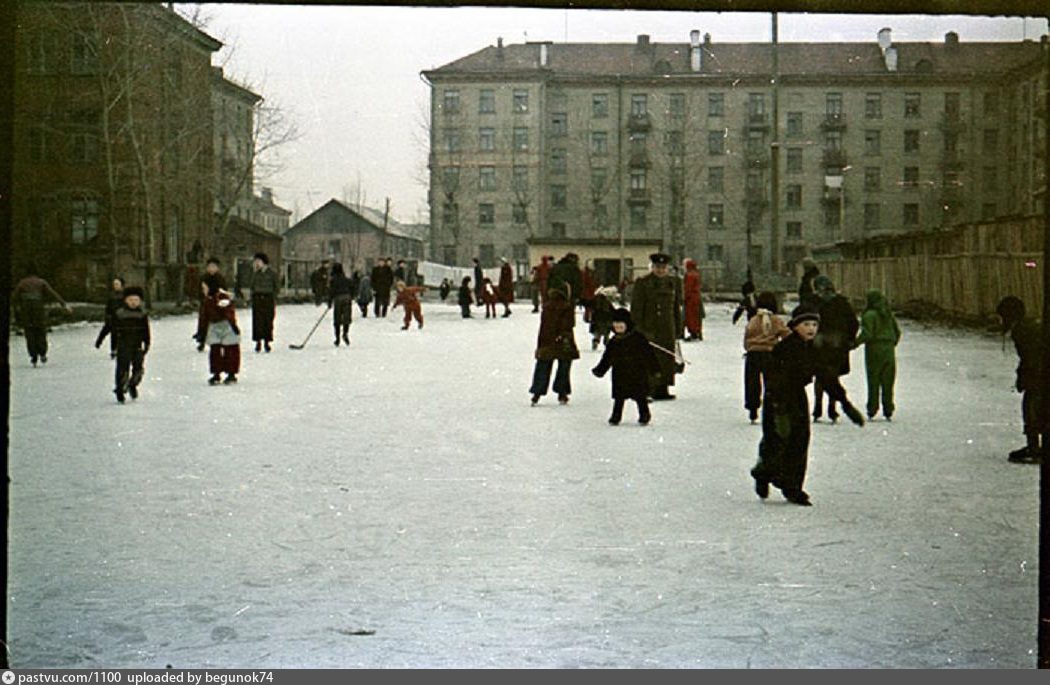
x: 774, y: 176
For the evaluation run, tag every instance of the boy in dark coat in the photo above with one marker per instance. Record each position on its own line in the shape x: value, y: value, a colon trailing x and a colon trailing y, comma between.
x: 1028, y: 341
x: 264, y: 285
x: 464, y: 297
x: 632, y: 361
x: 130, y: 333
x: 340, y: 294
x: 784, y: 450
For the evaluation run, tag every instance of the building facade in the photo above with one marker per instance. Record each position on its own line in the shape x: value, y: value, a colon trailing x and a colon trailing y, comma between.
x: 112, y: 155
x: 692, y: 147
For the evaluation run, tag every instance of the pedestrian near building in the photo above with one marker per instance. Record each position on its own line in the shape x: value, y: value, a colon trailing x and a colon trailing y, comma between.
x: 838, y: 328
x: 555, y: 342
x: 223, y: 335
x: 506, y: 285
x: 783, y: 452
x: 1028, y: 341
x: 632, y: 360
x: 129, y: 331
x: 748, y: 304
x: 382, y: 282
x: 408, y: 297
x: 879, y: 333
x: 115, y: 302
x: 656, y: 307
x: 364, y: 293
x: 340, y: 299
x: 211, y: 271
x: 264, y: 286
x: 601, y: 315
x: 693, y: 301
x: 464, y: 297
x: 319, y: 283
x: 29, y: 297
x: 763, y: 332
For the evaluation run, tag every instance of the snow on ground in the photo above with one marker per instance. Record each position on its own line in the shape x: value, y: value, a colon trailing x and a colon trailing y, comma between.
x: 405, y: 486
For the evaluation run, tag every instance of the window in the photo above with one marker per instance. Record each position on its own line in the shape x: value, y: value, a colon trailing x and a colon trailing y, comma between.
x: 559, y: 161
x: 558, y: 196
x: 951, y: 142
x: 912, y: 105
x: 487, y: 178
x: 872, y: 178
x: 794, y: 160
x: 794, y: 196
x: 951, y: 105
x: 794, y: 124
x: 715, y: 216
x: 521, y: 101
x: 639, y: 104
x: 676, y: 105
x: 675, y: 143
x: 638, y: 180
x: 872, y: 142
x: 833, y: 140
x: 599, y: 143
x: 991, y: 104
x: 520, y: 179
x: 486, y: 214
x: 449, y: 254
x: 486, y: 254
x: 84, y: 148
x: 638, y: 217
x: 911, y: 177
x: 873, y: 106
x: 871, y: 215
x: 450, y: 178
x: 716, y: 179
x: 756, y: 142
x: 756, y: 105
x: 716, y: 104
x: 600, y: 217
x: 991, y: 141
x: 755, y: 183
x: 991, y: 179
x: 715, y: 253
x: 487, y: 139
x: 84, y: 221
x: 487, y: 101
x: 833, y: 104
x: 988, y: 210
x: 600, y: 105
x: 794, y: 229
x: 37, y: 144
x: 716, y: 143
x: 598, y: 180
x: 451, y: 102
x: 519, y: 214
x: 521, y: 138
x: 450, y: 214
x: 84, y: 54
x: 558, y: 229
x: 910, y: 214
x: 452, y: 141
x: 559, y: 124
x: 911, y: 141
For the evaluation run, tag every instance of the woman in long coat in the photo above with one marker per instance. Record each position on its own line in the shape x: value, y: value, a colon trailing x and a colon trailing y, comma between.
x: 555, y: 342
x: 506, y: 286
x: 694, y: 305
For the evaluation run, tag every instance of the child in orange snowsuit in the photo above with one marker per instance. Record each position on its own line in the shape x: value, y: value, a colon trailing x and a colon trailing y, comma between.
x: 408, y: 296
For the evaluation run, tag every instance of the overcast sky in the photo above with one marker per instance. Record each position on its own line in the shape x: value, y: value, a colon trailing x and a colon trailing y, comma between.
x: 350, y: 75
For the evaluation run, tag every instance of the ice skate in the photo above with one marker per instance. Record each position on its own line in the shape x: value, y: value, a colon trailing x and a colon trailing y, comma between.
x: 1025, y: 455
x: 215, y: 379
x: 231, y: 378
x: 563, y: 399
x: 853, y: 414
x: 535, y: 400
x: 133, y: 392
x: 258, y: 345
x: 346, y: 339
x: 799, y: 497
x: 752, y: 415
x: 120, y: 395
x: 266, y: 346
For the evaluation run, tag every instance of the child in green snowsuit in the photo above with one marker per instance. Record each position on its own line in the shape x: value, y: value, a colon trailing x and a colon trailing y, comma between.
x: 879, y: 333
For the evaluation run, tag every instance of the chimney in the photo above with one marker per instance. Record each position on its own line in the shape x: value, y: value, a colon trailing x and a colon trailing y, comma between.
x: 499, y: 47
x: 951, y: 39
x: 884, y: 39
x: 267, y: 195
x: 891, y: 59
x: 643, y: 42
x: 544, y: 55
x: 694, y: 51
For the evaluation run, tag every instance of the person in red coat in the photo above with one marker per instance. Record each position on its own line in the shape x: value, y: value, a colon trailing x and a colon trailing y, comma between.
x: 222, y: 334
x: 408, y: 297
x: 506, y: 286
x: 692, y: 302
x: 555, y: 342
x: 541, y: 272
x: 590, y: 284
x: 489, y: 296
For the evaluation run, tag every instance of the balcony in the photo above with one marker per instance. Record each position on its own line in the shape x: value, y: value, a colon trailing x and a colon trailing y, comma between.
x: 756, y: 120
x: 639, y: 196
x: 834, y: 157
x: 833, y: 121
x: 639, y: 123
x: 639, y: 159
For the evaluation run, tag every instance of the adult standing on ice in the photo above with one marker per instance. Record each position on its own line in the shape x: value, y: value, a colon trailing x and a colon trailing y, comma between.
x: 506, y: 285
x: 364, y: 293
x: 693, y: 302
x: 567, y: 273
x: 838, y: 328
x: 340, y: 292
x: 479, y: 283
x: 555, y: 342
x: 382, y: 282
x: 656, y: 307
x: 115, y: 302
x: 1029, y: 343
x: 264, y: 286
x: 29, y: 297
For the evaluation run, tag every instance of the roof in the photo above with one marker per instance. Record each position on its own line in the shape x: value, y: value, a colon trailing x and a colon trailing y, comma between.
x: 795, y: 59
x: 262, y: 204
x: 372, y: 216
x: 248, y: 227
x: 235, y: 88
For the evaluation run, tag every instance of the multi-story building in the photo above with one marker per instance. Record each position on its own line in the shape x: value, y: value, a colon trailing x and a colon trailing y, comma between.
x: 111, y: 146
x: 233, y: 132
x: 268, y: 214
x: 698, y: 149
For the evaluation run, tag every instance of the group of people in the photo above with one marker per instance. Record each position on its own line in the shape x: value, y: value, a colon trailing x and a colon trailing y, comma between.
x: 482, y: 292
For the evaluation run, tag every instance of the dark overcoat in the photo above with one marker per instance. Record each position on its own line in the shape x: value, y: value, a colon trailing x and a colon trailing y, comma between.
x: 632, y: 361
x: 656, y: 308
x: 838, y: 328
x: 556, y: 339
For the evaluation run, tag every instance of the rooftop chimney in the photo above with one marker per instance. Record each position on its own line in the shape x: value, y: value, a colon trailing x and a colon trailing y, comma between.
x: 544, y: 55
x: 694, y: 38
x: 694, y: 51
x: 707, y: 39
x: 267, y: 194
x: 951, y: 38
x: 891, y: 59
x: 643, y: 41
x: 499, y: 47
x: 884, y: 39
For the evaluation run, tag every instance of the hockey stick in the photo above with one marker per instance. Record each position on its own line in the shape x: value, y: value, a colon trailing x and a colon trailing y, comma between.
x: 323, y: 314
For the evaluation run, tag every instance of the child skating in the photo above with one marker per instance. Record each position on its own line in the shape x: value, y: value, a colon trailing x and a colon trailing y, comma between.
x: 879, y: 333
x: 632, y: 360
x: 129, y: 328
x: 408, y: 297
x: 222, y: 335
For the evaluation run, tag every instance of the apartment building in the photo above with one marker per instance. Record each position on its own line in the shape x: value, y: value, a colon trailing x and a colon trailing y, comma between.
x: 696, y: 148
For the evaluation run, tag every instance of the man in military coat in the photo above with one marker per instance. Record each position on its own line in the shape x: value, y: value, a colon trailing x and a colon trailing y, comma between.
x: 656, y: 307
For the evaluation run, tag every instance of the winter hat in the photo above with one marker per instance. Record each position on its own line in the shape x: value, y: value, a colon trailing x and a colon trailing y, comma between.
x: 214, y: 260
x: 766, y: 300
x: 660, y: 258
x: 801, y: 314
x: 261, y: 256
x: 1010, y: 309
x: 621, y: 314
x: 133, y: 290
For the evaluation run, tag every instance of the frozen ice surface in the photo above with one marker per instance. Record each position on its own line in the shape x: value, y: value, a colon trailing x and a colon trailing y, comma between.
x: 405, y: 486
